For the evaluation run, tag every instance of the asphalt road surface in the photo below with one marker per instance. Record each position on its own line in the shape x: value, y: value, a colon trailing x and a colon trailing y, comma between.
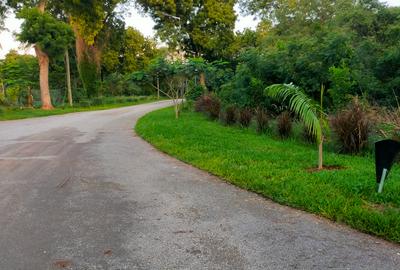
x: 81, y: 191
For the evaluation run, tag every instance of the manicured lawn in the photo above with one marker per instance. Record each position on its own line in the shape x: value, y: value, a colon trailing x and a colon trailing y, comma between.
x: 278, y: 170
x: 17, y: 113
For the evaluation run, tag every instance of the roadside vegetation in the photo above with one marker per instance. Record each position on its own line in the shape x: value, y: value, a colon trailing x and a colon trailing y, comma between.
x: 294, y: 112
x: 281, y: 169
x: 7, y: 113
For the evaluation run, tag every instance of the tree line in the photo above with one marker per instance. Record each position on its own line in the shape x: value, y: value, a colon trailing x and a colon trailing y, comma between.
x: 349, y: 46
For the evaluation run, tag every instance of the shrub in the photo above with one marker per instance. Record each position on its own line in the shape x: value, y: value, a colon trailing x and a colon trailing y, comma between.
x: 214, y: 107
x: 84, y: 103
x: 245, y: 116
x: 352, y: 127
x: 119, y: 100
x: 230, y: 115
x: 131, y: 99
x: 261, y: 117
x: 194, y: 93
x: 2, y: 110
x: 200, y: 104
x: 109, y: 101
x: 284, y: 124
x: 98, y: 101
x: 209, y: 104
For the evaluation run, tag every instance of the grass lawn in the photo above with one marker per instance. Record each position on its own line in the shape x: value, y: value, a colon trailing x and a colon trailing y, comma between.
x: 278, y: 170
x: 17, y: 113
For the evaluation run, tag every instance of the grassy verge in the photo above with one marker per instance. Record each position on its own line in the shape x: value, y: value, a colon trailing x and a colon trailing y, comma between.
x: 22, y: 113
x: 278, y: 170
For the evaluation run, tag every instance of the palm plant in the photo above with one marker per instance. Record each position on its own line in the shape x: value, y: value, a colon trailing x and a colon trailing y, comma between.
x: 310, y: 112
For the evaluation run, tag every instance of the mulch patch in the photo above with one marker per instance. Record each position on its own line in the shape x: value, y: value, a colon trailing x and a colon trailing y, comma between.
x: 326, y: 168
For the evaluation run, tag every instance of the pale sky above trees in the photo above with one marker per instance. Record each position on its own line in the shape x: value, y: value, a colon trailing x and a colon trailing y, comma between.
x: 143, y: 23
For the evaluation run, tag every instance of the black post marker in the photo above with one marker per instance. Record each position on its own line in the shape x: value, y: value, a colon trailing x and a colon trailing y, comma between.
x: 385, y: 154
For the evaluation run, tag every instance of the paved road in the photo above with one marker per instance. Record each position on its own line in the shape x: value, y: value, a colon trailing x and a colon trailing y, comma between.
x: 81, y: 191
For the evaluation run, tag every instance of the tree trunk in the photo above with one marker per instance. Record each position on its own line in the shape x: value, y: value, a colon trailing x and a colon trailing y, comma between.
x: 89, y: 64
x: 42, y: 5
x: 43, y: 59
x: 202, y: 81
x: 30, y: 98
x: 158, y: 87
x: 85, y: 51
x: 68, y: 70
x: 2, y: 89
x: 320, y: 153
x: 177, y: 110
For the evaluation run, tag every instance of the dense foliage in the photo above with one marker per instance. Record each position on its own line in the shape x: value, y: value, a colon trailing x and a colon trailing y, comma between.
x: 352, y: 48
x: 200, y: 28
x: 18, y: 74
x: 43, y: 30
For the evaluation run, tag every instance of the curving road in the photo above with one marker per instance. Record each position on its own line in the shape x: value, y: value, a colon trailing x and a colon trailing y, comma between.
x: 81, y: 191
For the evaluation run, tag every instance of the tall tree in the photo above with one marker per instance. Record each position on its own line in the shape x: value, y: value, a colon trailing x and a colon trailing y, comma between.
x: 49, y: 36
x: 301, y: 15
x: 200, y: 27
x: 137, y: 51
x: 127, y: 51
x: 89, y: 20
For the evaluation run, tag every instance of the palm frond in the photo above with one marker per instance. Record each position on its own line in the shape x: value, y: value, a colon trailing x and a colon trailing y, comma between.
x: 299, y: 103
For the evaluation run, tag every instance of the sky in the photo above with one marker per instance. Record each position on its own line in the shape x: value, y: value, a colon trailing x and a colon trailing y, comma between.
x: 139, y: 21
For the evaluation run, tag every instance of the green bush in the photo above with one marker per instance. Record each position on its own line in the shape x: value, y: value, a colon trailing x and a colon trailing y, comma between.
x: 131, y: 99
x: 84, y: 103
x: 90, y: 78
x: 120, y: 100
x: 98, y: 101
x: 117, y: 84
x: 195, y: 93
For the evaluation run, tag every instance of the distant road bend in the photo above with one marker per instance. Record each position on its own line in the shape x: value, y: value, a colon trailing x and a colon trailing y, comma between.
x: 81, y: 191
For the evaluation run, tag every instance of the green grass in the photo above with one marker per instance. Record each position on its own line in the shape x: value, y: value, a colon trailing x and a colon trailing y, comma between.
x: 22, y: 113
x: 278, y: 170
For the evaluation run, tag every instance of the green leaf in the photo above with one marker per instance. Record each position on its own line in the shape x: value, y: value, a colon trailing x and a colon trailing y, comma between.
x: 300, y: 104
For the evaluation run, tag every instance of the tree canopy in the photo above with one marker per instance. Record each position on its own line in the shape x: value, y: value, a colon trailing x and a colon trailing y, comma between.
x: 200, y: 28
x: 51, y: 35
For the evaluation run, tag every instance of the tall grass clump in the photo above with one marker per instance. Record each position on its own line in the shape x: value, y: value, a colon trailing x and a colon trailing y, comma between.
x: 230, y: 116
x: 208, y: 104
x: 352, y: 127
x: 262, y: 120
x: 245, y: 117
x: 284, y: 123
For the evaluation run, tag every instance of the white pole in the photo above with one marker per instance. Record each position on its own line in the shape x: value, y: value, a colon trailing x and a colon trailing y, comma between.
x: 384, y: 173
